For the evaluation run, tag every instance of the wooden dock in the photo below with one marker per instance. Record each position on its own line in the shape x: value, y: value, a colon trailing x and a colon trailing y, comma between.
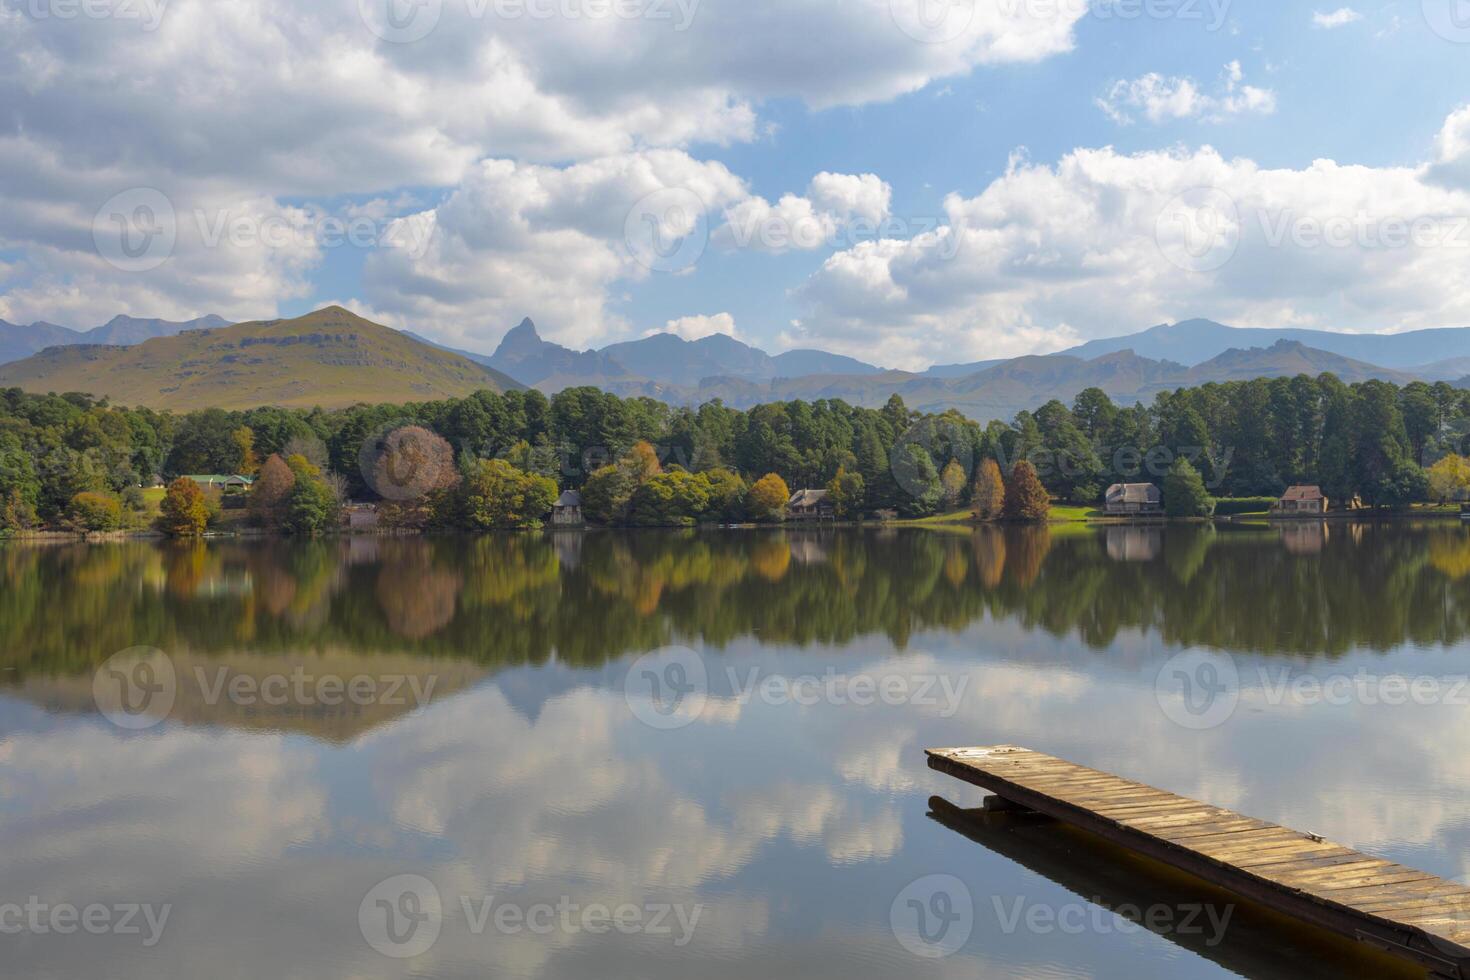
x: 1388, y: 906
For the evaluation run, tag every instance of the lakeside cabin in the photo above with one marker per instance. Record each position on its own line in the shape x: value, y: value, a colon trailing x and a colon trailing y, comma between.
x: 225, y: 483
x: 567, y: 511
x: 810, y: 505
x: 1132, y: 500
x: 1301, y: 500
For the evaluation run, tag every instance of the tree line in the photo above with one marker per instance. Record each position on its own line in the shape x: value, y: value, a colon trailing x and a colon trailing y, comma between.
x: 68, y: 460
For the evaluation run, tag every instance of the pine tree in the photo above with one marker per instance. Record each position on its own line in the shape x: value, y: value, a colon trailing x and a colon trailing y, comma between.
x: 1184, y: 492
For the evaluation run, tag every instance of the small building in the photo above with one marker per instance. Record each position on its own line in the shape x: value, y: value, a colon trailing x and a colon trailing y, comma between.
x: 1301, y: 500
x: 810, y: 505
x: 225, y: 483
x: 1130, y: 499
x: 567, y: 512
x: 361, y: 517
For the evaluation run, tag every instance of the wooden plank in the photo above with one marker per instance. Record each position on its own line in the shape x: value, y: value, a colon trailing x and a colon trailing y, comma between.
x: 1405, y: 911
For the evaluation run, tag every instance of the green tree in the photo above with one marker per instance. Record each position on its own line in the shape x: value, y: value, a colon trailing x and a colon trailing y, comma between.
x: 1184, y: 492
x: 846, y: 492
x: 726, y: 495
x: 672, y: 499
x: 311, y: 507
x: 494, y: 494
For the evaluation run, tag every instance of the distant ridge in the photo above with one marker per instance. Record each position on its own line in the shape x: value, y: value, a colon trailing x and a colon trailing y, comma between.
x: 1193, y: 342
x: 17, y: 341
x: 330, y: 358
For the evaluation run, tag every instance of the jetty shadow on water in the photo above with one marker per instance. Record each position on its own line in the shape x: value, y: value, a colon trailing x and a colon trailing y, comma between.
x: 1256, y: 942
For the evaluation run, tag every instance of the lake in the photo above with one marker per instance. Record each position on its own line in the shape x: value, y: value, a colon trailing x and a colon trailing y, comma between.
x: 652, y: 754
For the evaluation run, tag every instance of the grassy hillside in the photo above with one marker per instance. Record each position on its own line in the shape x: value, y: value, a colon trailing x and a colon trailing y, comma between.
x: 332, y: 358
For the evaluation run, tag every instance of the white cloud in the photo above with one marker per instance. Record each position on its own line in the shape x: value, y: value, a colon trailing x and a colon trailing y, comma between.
x: 1452, y: 151
x: 1340, y: 17
x: 1164, y: 99
x: 698, y: 327
x: 517, y: 238
x: 1047, y: 254
x: 835, y: 205
x: 274, y: 100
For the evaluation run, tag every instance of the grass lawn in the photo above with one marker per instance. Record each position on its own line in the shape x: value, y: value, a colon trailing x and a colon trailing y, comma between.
x: 1068, y: 513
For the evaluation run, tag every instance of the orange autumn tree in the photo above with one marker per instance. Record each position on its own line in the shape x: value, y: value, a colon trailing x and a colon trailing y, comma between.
x: 185, y: 512
x: 269, y: 493
x: 1026, y: 499
x: 990, y: 492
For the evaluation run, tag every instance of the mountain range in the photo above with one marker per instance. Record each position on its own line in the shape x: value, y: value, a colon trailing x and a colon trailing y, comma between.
x: 17, y: 341
x: 332, y: 357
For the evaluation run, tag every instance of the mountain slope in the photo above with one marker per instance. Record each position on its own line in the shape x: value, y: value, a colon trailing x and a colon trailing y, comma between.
x: 17, y: 342
x: 332, y: 358
x: 1285, y: 359
x: 1196, y: 341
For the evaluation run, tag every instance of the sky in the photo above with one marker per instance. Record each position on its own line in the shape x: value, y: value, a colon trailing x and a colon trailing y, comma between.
x: 909, y: 182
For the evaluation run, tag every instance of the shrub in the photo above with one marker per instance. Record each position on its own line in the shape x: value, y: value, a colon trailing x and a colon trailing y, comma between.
x: 94, y: 511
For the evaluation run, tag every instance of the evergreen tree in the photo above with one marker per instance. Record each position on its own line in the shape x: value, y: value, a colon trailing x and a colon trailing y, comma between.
x: 1184, y: 492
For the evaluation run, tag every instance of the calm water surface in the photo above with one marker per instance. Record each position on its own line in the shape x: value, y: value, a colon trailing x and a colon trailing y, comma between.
x: 781, y: 806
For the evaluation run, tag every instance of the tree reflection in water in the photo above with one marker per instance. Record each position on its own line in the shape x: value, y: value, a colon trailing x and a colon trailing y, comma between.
x: 589, y: 598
